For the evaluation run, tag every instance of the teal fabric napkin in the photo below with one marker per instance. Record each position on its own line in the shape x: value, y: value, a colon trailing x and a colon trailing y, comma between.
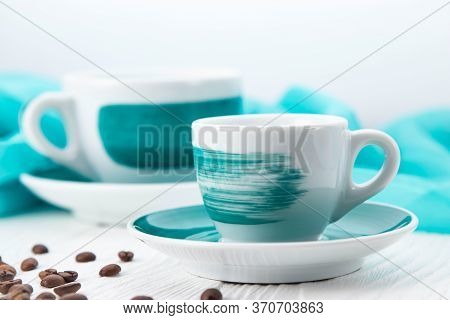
x: 16, y: 157
x: 422, y: 185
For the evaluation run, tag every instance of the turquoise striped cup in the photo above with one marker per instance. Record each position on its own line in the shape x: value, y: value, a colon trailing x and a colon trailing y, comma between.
x: 133, y: 126
x: 283, y: 177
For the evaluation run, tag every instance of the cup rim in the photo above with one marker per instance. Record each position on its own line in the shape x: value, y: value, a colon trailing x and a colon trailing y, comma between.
x: 153, y: 75
x: 160, y: 84
x: 267, y: 120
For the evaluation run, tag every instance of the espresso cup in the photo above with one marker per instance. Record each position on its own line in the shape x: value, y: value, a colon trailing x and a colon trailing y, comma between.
x: 133, y: 126
x: 283, y: 177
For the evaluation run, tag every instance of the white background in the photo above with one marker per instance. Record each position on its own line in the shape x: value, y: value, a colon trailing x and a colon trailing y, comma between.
x: 274, y: 43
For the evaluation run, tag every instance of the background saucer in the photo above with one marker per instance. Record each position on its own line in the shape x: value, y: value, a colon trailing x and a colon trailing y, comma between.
x: 108, y: 203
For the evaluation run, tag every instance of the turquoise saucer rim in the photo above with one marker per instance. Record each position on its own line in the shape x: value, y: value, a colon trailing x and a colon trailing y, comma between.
x: 407, y: 228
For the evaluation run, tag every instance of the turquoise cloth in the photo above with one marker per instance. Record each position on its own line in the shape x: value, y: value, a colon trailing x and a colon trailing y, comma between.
x: 16, y: 156
x: 422, y: 185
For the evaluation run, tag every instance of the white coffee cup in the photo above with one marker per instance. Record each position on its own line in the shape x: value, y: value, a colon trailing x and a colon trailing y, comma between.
x: 135, y: 126
x: 273, y: 177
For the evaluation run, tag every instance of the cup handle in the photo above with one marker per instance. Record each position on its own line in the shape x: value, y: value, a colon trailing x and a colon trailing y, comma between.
x: 70, y: 155
x: 356, y: 194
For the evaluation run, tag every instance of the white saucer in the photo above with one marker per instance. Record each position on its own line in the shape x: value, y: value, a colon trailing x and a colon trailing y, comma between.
x: 108, y: 203
x: 188, y: 235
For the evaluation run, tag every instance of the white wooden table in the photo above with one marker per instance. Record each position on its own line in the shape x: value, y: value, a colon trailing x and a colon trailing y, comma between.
x: 425, y: 256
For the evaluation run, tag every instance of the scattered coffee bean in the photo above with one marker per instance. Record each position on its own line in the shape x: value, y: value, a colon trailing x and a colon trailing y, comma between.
x: 39, y: 249
x: 67, y: 288
x: 74, y: 296
x: 211, y: 294
x: 19, y: 292
x: 69, y: 276
x: 85, y: 257
x: 126, y: 256
x: 22, y: 288
x: 18, y: 295
x: 46, y: 296
x: 29, y: 264
x: 6, y: 275
x: 110, y: 270
x: 142, y: 298
x: 52, y: 281
x: 6, y: 285
x: 47, y: 272
x: 7, y: 267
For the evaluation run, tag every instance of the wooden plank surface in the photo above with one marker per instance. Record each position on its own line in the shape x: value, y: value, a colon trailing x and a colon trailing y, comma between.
x: 424, y: 258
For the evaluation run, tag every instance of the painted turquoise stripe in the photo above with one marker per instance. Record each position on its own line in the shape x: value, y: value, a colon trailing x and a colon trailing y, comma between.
x: 142, y: 225
x: 247, y: 188
x: 333, y: 232
x: 193, y: 223
x: 405, y: 221
x: 145, y: 136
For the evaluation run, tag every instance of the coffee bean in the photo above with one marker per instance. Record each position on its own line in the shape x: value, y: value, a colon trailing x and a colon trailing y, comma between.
x: 74, y: 296
x: 6, y: 285
x: 39, y: 249
x: 6, y: 275
x: 52, y: 281
x: 47, y: 272
x: 67, y: 288
x: 19, y: 292
x: 69, y: 276
x: 85, y: 257
x: 7, y: 267
x: 46, y: 296
x: 211, y: 294
x: 126, y: 256
x: 19, y: 296
x: 110, y: 270
x: 142, y: 298
x: 22, y: 288
x: 29, y: 264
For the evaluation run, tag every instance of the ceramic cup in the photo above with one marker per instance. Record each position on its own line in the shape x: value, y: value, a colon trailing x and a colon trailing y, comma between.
x: 133, y: 126
x: 272, y: 177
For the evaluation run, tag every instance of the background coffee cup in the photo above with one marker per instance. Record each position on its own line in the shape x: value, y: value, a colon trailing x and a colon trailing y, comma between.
x: 133, y: 126
x: 271, y: 177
